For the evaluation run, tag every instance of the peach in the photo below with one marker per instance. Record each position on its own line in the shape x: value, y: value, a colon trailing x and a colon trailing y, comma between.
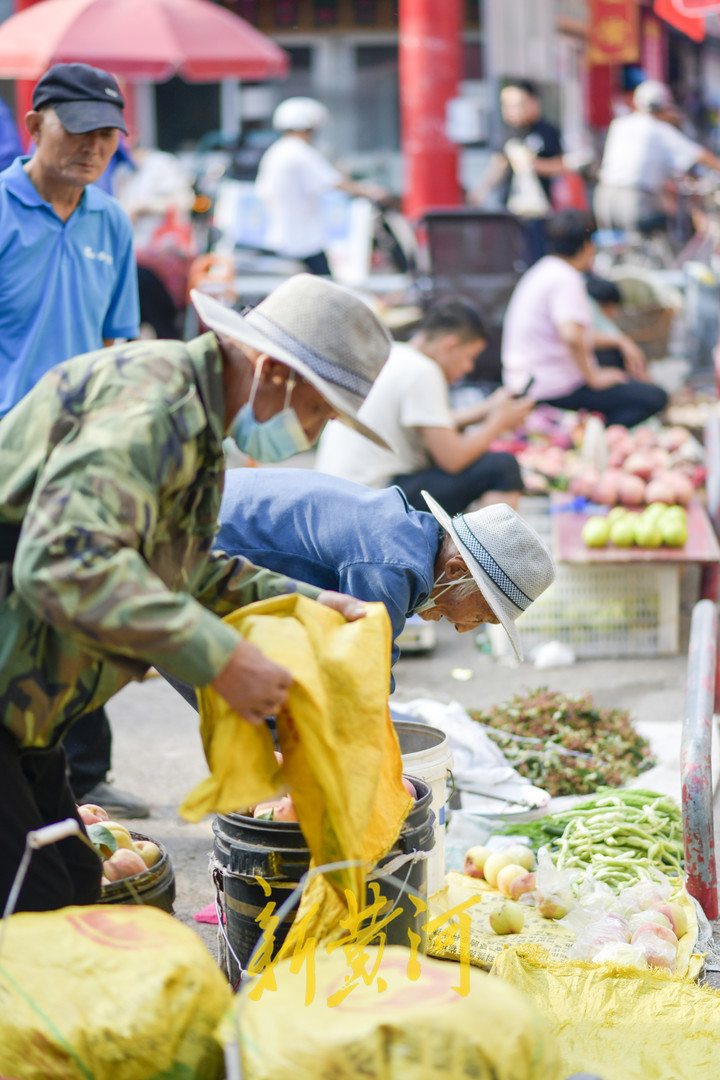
x: 523, y: 855
x: 494, y: 864
x: 90, y: 813
x: 508, y: 920
x: 521, y: 885
x: 675, y: 913
x: 266, y: 809
x: 148, y: 851
x: 661, y: 932
x: 507, y: 876
x: 409, y: 787
x: 121, y: 834
x: 285, y: 810
x: 551, y: 909
x: 123, y: 864
x: 475, y: 859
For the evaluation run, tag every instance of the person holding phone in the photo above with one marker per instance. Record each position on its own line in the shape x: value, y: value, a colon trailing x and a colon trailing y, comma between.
x: 435, y: 448
x: 548, y: 334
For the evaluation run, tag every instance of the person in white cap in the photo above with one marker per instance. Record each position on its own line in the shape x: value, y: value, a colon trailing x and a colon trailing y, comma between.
x: 112, y: 476
x: 292, y: 178
x: 643, y: 151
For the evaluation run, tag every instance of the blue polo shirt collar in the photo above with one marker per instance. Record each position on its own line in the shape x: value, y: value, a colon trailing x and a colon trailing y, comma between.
x: 19, y: 184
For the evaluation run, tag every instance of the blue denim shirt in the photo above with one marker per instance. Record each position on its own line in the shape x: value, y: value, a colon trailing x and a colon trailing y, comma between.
x: 334, y: 534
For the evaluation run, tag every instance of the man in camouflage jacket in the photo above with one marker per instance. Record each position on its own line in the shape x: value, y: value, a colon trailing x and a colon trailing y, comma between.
x: 111, y: 475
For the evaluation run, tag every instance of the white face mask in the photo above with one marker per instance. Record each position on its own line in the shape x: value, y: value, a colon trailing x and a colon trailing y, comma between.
x: 432, y: 599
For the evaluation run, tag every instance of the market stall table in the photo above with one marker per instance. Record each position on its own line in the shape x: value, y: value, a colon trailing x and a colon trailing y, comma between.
x: 702, y: 548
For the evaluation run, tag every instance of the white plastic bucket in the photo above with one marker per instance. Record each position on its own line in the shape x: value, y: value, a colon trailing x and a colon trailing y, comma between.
x: 426, y: 754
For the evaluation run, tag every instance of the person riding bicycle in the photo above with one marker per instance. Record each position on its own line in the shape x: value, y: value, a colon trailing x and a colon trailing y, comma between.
x: 644, y: 150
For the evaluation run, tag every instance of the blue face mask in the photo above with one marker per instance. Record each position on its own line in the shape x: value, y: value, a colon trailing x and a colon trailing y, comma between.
x: 275, y: 439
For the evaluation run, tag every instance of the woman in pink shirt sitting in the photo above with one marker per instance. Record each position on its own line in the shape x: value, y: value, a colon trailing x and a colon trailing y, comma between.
x: 548, y: 334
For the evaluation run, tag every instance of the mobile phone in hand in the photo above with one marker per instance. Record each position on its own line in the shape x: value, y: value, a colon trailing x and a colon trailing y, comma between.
x: 526, y: 388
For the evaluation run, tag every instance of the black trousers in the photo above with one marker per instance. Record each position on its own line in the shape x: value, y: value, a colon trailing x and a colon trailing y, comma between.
x: 628, y: 403
x: 455, y: 491
x: 34, y: 791
x: 88, y: 749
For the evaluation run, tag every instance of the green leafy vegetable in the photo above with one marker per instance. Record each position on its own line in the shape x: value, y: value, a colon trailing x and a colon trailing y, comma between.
x: 566, y: 744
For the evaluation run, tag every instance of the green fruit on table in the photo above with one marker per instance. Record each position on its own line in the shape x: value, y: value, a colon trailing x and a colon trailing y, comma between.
x: 622, y: 532
x: 617, y: 514
x: 647, y: 533
x: 596, y: 532
x: 674, y: 530
x: 655, y: 510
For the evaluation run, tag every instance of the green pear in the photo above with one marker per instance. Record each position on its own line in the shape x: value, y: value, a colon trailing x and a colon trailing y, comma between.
x: 616, y: 514
x: 674, y: 530
x: 622, y: 532
x: 647, y: 533
x: 596, y: 532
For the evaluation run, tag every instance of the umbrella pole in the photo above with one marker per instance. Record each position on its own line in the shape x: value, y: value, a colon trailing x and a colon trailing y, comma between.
x: 23, y: 87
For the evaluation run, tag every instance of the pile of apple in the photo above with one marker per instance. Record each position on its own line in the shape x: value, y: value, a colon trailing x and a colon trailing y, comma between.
x: 643, y: 467
x: 656, y: 526
x: 131, y: 857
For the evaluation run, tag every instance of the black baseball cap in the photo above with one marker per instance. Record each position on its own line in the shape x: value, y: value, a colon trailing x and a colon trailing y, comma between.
x: 85, y: 98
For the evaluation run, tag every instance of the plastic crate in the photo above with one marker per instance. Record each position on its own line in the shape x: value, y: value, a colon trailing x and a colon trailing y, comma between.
x: 608, y: 611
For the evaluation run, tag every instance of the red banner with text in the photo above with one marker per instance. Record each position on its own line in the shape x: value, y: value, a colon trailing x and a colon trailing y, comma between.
x: 614, y: 32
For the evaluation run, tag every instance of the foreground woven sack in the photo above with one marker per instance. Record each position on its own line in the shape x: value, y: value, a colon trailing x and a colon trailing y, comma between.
x: 99, y: 993
x: 620, y: 1023
x: 392, y: 1026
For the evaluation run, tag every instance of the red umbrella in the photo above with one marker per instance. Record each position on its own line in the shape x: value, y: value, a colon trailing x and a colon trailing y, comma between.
x: 138, y: 39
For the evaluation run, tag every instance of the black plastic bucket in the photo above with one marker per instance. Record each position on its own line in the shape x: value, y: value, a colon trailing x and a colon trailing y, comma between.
x: 155, y: 887
x: 248, y: 848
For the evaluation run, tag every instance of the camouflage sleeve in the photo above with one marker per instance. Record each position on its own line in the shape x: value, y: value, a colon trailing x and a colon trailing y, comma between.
x: 230, y: 582
x: 79, y: 562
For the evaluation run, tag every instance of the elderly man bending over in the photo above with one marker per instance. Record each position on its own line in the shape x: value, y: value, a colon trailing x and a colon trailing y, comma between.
x: 486, y: 566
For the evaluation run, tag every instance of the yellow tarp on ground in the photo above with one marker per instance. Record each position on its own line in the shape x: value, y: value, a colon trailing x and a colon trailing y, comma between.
x: 621, y: 1024
x: 108, y: 993
x: 383, y: 1018
x: 556, y: 939
x: 342, y: 761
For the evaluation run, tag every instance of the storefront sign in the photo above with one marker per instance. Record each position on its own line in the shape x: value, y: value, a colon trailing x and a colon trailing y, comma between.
x: 614, y: 32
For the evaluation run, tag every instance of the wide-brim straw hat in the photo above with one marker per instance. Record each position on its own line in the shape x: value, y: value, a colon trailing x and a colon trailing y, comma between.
x: 507, y: 559
x: 319, y: 329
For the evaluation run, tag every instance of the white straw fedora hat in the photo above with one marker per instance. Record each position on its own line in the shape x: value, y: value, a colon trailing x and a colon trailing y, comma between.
x: 507, y: 558
x: 321, y: 330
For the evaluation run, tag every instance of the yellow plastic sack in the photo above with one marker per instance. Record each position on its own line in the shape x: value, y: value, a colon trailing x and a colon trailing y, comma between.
x: 388, y: 1019
x: 621, y: 1024
x: 557, y: 940
x: 342, y: 760
x: 108, y: 993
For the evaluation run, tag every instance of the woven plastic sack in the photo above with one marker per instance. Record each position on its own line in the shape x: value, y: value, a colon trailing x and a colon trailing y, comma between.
x: 620, y: 1023
x: 98, y: 993
x: 391, y: 1027
x: 342, y: 760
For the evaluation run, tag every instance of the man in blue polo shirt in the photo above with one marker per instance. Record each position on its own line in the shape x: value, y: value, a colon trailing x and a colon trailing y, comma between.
x: 68, y: 281
x: 68, y: 285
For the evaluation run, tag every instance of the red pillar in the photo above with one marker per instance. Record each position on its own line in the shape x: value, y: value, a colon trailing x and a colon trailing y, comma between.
x: 23, y: 87
x: 430, y: 63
